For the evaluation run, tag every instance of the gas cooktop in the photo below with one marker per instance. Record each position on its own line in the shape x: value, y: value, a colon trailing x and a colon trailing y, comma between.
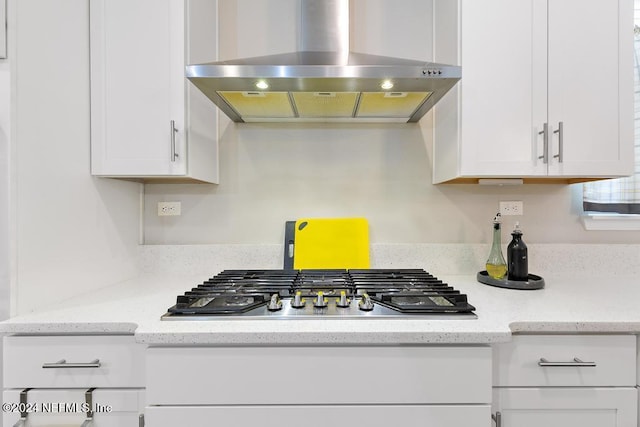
x: 321, y: 294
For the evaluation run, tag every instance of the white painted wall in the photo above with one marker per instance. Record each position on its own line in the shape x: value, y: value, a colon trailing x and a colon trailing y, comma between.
x: 72, y: 233
x: 274, y: 173
x: 5, y: 130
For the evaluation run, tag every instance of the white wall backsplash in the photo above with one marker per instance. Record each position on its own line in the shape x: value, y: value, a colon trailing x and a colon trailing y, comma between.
x: 270, y: 174
x: 439, y: 259
x: 273, y: 173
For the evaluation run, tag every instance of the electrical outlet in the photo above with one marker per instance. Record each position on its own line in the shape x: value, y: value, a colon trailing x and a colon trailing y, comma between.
x: 512, y: 208
x: 169, y: 208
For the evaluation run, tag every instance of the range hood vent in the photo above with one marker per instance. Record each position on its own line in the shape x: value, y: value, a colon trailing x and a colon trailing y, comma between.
x: 324, y: 81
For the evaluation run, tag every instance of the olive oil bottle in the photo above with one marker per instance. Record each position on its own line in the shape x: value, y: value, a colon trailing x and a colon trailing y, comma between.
x: 496, y: 265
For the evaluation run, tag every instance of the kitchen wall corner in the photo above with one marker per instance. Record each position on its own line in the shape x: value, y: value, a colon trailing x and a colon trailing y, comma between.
x: 73, y: 233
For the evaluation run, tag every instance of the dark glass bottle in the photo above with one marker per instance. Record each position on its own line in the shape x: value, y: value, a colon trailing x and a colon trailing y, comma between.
x: 517, y: 258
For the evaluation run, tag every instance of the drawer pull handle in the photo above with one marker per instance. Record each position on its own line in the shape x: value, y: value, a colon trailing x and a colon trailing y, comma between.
x: 23, y: 404
x: 576, y: 363
x: 64, y: 364
x: 88, y: 398
x: 497, y: 418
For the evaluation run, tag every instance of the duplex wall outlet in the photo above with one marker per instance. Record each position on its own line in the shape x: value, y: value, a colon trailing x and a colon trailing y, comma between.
x: 169, y: 208
x: 511, y: 208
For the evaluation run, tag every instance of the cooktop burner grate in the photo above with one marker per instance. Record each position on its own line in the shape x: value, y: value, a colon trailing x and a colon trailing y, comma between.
x: 318, y: 293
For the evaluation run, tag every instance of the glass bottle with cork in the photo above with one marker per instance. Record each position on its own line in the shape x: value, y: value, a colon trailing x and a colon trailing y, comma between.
x: 496, y: 265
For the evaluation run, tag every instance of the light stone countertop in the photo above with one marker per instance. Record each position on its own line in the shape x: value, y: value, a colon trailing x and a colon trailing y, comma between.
x: 569, y: 304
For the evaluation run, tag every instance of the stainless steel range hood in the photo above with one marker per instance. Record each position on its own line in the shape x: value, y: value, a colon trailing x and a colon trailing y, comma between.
x: 324, y: 81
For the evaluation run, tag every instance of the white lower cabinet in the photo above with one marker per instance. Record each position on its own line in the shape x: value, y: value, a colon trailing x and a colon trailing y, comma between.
x: 69, y: 407
x: 73, y: 361
x: 56, y: 380
x: 537, y: 380
x: 563, y: 407
x: 318, y: 386
x: 565, y: 380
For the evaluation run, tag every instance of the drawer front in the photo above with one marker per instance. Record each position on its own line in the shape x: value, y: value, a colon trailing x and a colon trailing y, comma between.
x: 318, y: 375
x: 120, y: 362
x: 68, y: 407
x: 520, y: 362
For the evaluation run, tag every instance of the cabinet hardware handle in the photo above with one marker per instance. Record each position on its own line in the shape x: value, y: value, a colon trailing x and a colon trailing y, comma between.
x: 63, y: 364
x: 23, y: 413
x: 560, y: 132
x: 575, y: 363
x: 88, y: 398
x: 497, y: 418
x: 174, y: 154
x: 545, y: 143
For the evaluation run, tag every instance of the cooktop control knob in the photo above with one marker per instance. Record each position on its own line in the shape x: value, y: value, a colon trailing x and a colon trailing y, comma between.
x: 298, y: 301
x: 343, y: 301
x: 365, y: 303
x: 320, y: 301
x: 275, y: 304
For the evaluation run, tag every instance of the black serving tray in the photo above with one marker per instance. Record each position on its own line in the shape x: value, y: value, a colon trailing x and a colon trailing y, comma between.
x: 534, y: 282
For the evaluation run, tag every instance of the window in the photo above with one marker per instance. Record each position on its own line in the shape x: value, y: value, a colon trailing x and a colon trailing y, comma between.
x: 622, y: 195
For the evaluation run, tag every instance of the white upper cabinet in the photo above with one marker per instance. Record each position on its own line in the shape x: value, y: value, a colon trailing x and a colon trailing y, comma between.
x: 546, y: 89
x: 146, y: 120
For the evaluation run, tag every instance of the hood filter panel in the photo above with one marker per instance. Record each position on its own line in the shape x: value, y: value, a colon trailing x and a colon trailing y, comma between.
x: 391, y: 104
x: 257, y: 106
x: 325, y: 104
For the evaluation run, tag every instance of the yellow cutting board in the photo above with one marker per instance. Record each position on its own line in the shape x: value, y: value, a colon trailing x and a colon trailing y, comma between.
x: 331, y: 243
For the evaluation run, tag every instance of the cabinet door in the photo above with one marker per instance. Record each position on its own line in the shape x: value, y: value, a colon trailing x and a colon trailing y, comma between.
x: 137, y: 87
x: 590, y: 87
x: 530, y: 62
x: 503, y: 105
x: 562, y: 407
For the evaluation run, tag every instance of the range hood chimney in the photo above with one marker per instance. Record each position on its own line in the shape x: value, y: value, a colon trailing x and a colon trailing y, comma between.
x: 324, y: 81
